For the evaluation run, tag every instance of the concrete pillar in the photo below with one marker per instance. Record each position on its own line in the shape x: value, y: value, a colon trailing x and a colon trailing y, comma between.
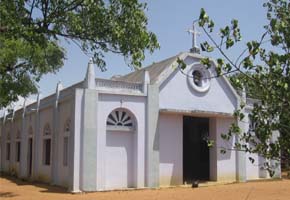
x: 241, y: 170
x: 152, y: 137
x: 213, y: 150
x: 89, y: 141
x: 90, y: 81
x: 88, y: 137
x: 146, y: 81
x: 2, y: 142
x: 12, y: 141
x: 55, y: 137
x: 23, y: 145
x: 36, y: 142
x: 275, y: 164
x: 75, y: 142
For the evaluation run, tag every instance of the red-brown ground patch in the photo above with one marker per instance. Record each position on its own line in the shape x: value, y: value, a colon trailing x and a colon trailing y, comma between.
x: 11, y: 188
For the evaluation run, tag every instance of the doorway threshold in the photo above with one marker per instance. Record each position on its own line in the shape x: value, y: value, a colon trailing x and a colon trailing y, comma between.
x: 210, y: 183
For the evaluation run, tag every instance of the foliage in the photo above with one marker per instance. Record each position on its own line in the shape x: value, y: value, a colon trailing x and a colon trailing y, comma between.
x: 32, y: 32
x: 265, y: 72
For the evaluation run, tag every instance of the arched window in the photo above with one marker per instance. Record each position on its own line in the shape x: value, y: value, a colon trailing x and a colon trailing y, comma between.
x: 46, y: 130
x: 18, y: 135
x: 66, y: 142
x: 120, y: 119
x: 67, y: 126
x: 46, y: 153
x: 8, y: 136
x: 30, y: 131
x: 18, y: 146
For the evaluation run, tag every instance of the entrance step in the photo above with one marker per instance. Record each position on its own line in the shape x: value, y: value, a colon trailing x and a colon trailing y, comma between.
x: 210, y: 183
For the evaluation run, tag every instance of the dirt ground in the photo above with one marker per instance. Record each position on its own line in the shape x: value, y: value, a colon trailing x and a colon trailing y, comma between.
x: 11, y: 188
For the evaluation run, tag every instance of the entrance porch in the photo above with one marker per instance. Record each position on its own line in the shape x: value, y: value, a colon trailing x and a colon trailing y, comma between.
x: 184, y: 153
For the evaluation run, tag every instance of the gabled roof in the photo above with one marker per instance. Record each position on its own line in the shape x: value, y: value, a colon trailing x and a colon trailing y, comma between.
x: 160, y: 71
x: 155, y: 70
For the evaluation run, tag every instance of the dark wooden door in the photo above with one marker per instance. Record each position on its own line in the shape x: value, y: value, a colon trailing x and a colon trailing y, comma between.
x: 195, y: 149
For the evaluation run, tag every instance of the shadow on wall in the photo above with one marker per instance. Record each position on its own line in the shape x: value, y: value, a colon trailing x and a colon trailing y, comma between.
x: 227, y: 146
x: 44, y: 187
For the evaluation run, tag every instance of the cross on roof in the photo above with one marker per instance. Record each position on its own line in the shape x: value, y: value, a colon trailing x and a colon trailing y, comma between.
x: 194, y: 32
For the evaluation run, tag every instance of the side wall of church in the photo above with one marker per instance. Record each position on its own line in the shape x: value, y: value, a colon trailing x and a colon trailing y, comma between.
x: 65, y: 113
x: 37, y: 127
x: 10, y: 136
x: 44, y: 170
x: 254, y: 170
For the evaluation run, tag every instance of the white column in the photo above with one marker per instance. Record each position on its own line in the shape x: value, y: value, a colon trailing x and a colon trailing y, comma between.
x: 23, y: 145
x: 241, y: 170
x: 55, y: 136
x: 36, y: 142
x: 75, y: 142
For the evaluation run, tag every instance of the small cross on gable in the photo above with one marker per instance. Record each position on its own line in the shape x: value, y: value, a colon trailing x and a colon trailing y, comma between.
x: 195, y: 33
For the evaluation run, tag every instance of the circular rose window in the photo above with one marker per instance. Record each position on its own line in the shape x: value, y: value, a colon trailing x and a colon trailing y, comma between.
x: 199, y: 77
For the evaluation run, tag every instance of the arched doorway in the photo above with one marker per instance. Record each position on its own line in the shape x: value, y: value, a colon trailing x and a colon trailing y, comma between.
x: 120, y: 149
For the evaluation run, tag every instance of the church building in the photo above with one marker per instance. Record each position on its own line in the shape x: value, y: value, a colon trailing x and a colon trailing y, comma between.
x: 148, y: 128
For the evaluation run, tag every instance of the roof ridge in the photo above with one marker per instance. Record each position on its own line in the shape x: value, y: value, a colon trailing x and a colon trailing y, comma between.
x: 136, y: 76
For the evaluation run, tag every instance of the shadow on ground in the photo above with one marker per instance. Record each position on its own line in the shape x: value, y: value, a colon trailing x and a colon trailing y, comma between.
x: 7, y: 195
x: 44, y: 187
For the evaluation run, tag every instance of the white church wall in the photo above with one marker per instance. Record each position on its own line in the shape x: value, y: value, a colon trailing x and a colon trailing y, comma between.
x: 13, y: 130
x: 136, y: 106
x: 171, y: 141
x: 6, y: 163
x: 16, y: 129
x: 11, y: 165
x: 62, y: 165
x: 44, y: 173
x: 226, y: 163
x: 254, y: 170
x: 30, y: 120
x: 120, y: 159
x: 176, y: 93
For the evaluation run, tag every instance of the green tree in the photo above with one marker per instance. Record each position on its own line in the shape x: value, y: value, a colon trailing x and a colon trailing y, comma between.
x: 263, y: 68
x: 31, y: 33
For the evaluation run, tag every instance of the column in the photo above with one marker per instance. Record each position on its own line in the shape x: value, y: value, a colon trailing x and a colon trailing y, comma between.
x: 241, y: 170
x: 152, y: 137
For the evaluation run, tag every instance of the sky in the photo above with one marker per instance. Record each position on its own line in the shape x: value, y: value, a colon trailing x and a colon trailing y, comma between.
x: 169, y: 20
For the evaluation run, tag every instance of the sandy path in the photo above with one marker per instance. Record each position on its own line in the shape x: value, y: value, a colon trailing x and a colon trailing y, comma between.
x: 267, y: 190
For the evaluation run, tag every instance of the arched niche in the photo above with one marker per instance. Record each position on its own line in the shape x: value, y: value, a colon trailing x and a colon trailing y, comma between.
x: 121, y: 147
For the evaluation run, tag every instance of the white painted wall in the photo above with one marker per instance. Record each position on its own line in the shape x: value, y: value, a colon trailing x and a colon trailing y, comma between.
x: 171, y: 149
x: 16, y: 127
x: 176, y: 93
x: 136, y: 105
x: 254, y: 170
x: 226, y: 163
x: 44, y: 174
x: 64, y: 115
x: 213, y: 150
x: 30, y: 122
x: 120, y: 159
x: 6, y: 164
